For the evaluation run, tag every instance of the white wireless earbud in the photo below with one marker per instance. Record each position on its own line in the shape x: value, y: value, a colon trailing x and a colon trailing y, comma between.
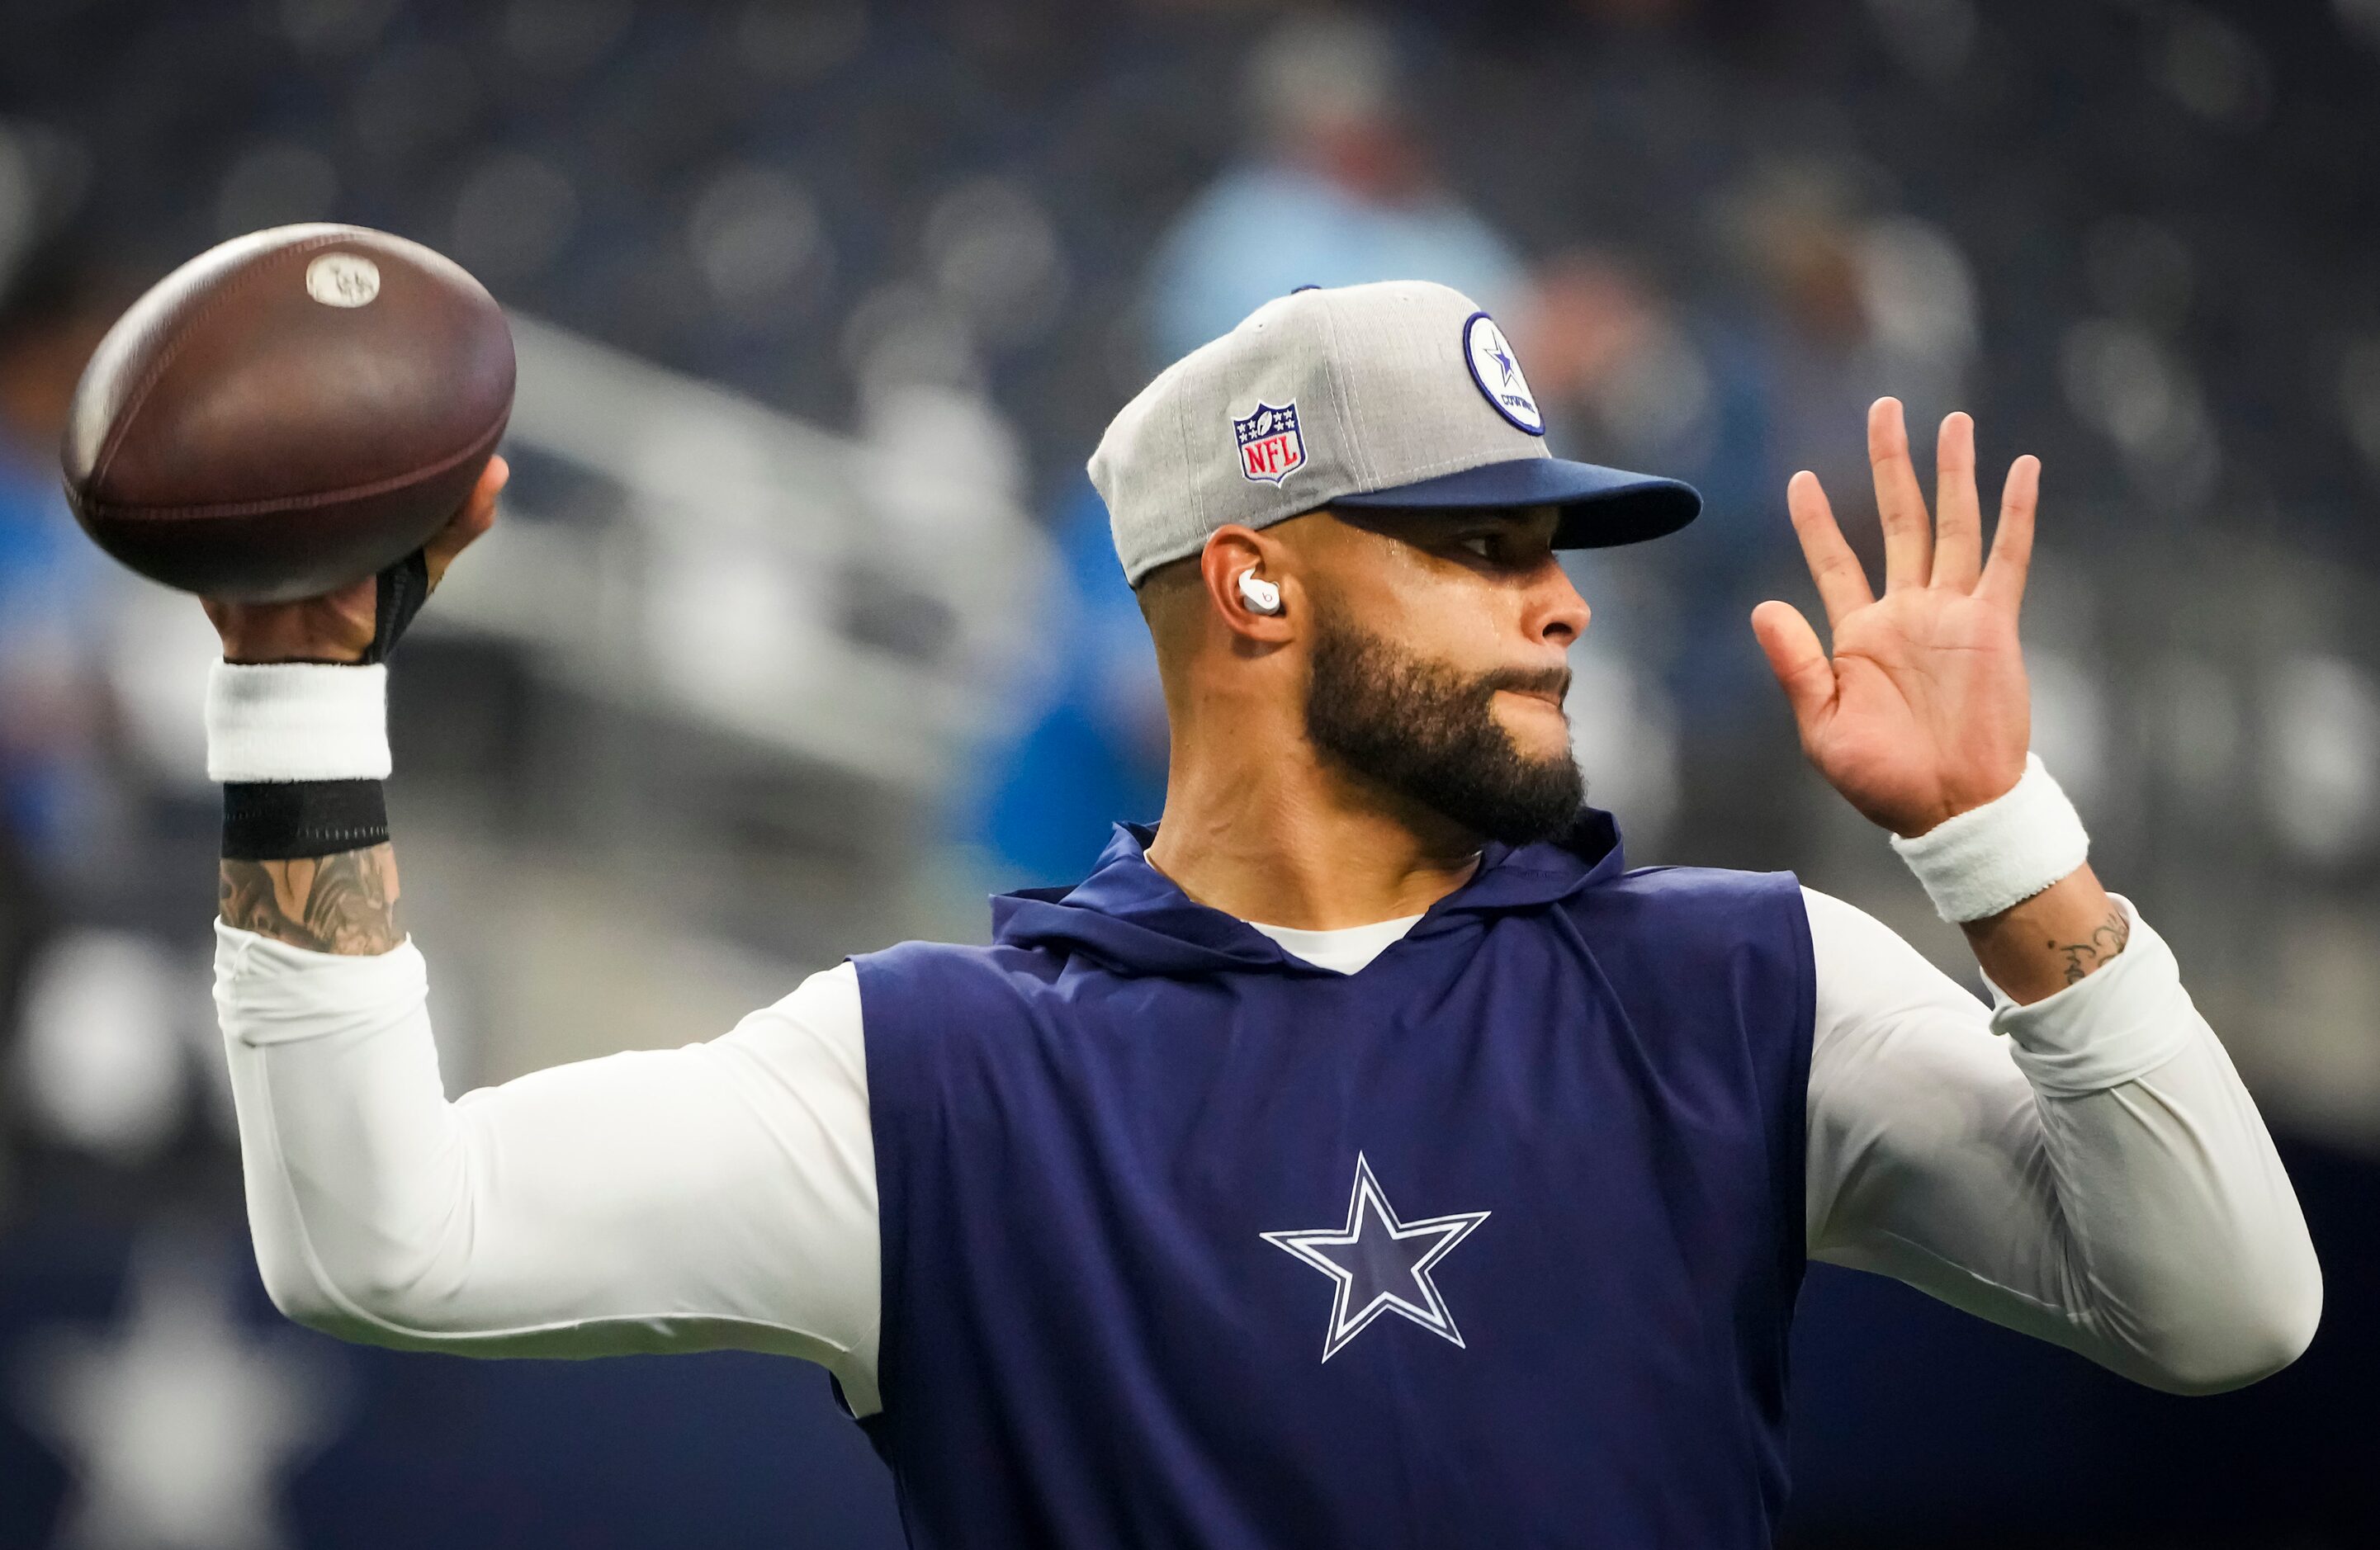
x: 1261, y: 596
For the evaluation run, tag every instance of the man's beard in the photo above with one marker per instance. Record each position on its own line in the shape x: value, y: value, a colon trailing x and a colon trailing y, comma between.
x: 1429, y: 734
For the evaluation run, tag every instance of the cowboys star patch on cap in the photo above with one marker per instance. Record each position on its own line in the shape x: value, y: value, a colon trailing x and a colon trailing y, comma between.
x: 1498, y: 372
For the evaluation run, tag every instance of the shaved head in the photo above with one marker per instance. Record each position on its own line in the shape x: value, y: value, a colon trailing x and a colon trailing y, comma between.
x: 1173, y: 598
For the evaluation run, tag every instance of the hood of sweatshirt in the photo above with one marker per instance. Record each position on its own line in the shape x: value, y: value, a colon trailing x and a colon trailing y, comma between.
x: 1133, y: 919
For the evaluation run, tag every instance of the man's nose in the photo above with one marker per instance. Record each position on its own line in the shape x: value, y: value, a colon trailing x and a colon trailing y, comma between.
x: 1558, y: 613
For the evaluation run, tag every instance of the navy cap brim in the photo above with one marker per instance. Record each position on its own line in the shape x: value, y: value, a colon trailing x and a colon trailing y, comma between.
x: 1599, y: 506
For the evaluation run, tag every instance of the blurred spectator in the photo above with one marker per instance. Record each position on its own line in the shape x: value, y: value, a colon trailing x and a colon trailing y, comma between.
x: 1847, y: 301
x: 1858, y: 302
x: 1615, y: 365
x: 1340, y: 190
x: 51, y: 693
x: 1095, y: 747
x: 23, y: 532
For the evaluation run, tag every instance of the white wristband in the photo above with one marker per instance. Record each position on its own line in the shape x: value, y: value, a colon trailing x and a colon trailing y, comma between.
x: 1991, y: 857
x: 297, y: 722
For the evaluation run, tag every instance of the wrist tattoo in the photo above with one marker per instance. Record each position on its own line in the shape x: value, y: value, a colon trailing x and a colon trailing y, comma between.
x: 2105, y: 942
x: 344, y: 902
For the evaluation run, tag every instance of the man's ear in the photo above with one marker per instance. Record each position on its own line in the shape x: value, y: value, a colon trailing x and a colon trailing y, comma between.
x: 1234, y: 552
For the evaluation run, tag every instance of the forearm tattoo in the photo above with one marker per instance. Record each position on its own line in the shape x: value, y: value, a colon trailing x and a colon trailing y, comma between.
x: 335, y: 903
x: 2105, y: 942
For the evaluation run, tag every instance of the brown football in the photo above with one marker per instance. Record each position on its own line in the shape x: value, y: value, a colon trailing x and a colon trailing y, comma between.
x: 288, y: 413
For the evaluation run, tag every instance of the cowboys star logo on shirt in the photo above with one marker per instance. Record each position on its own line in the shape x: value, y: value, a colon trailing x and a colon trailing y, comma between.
x: 1271, y: 448
x: 1498, y: 372
x: 1382, y: 1264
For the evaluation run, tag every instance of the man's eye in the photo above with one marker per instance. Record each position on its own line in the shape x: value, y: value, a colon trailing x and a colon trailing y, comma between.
x: 1483, y: 545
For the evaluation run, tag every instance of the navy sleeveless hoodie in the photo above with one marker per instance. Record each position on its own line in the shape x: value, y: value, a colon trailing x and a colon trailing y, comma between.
x: 1187, y: 1242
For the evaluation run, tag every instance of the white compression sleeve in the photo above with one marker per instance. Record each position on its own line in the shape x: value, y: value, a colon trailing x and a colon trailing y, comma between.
x: 2125, y: 1201
x: 721, y: 1194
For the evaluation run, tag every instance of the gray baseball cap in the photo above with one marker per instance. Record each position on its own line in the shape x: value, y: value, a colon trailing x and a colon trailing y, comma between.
x: 1397, y: 394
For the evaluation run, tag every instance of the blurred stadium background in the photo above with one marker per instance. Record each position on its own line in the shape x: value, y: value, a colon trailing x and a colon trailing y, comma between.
x: 801, y: 632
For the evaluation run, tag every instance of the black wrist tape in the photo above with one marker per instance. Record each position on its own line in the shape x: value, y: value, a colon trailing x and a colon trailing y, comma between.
x: 284, y: 820
x: 403, y: 587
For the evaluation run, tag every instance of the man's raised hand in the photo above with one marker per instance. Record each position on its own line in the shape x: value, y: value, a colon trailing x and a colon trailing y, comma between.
x: 1923, y: 711
x: 339, y: 626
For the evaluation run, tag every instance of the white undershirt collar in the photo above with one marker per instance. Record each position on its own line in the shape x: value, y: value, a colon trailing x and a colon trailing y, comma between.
x: 1344, y: 950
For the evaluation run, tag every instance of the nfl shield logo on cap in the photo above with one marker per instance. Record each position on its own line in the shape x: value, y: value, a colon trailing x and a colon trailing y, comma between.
x: 1271, y: 448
